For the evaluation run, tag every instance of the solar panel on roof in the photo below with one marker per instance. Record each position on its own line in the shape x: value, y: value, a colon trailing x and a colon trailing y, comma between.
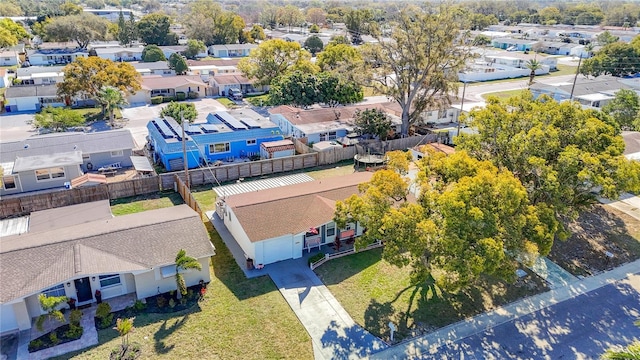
x: 209, y: 128
x: 213, y: 119
x: 251, y: 123
x: 194, y: 130
x: 177, y: 129
x: 164, y: 129
x: 230, y: 121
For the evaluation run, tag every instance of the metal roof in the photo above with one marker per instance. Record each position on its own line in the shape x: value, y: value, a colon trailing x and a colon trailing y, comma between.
x: 47, y: 161
x: 141, y: 163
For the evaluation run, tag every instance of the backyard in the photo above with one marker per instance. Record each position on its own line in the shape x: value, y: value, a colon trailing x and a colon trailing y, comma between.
x: 140, y: 203
x: 240, y: 318
x: 375, y: 292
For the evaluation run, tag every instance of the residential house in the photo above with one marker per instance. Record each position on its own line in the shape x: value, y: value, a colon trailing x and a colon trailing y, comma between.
x: 594, y: 101
x: 41, y: 78
x: 324, y: 123
x: 168, y: 86
x: 32, y: 98
x: 9, y: 58
x: 120, y: 53
x: 49, y: 161
x: 513, y: 44
x: 5, y: 81
x: 277, y: 149
x: 231, y: 50
x: 111, y: 14
x: 520, y: 60
x: 281, y: 223
x: 54, y: 56
x: 557, y: 48
x: 632, y: 144
x: 223, y: 83
x: 160, y: 68
x: 169, y: 50
x: 226, y: 137
x: 485, y: 71
x: 76, y: 250
x: 208, y: 68
x: 605, y: 84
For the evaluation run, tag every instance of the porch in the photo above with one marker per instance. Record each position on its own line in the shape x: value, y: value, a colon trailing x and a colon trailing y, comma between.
x: 89, y: 335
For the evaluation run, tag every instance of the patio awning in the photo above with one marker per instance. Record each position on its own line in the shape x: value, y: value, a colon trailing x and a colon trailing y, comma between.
x: 141, y: 163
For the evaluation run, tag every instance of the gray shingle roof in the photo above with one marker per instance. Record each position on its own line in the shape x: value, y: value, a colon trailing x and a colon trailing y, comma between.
x: 32, y: 262
x: 631, y: 141
x: 87, y: 143
x: 31, y: 90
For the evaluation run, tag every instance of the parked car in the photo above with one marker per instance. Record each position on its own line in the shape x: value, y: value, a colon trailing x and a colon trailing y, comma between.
x: 235, y: 94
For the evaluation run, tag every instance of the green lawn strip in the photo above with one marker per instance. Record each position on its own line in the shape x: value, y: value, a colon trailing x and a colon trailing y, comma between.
x: 205, y: 196
x: 146, y: 202
x: 258, y: 100
x: 226, y: 102
x: 239, y: 319
x: 503, y: 95
x: 95, y: 114
x: 375, y: 292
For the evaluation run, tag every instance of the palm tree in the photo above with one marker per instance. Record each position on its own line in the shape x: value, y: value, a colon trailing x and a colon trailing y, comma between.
x: 533, y: 65
x: 124, y: 327
x: 110, y: 99
x: 184, y: 262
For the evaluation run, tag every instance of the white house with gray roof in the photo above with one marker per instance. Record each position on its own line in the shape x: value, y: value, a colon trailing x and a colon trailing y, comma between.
x: 49, y: 161
x: 74, y: 251
x: 32, y: 98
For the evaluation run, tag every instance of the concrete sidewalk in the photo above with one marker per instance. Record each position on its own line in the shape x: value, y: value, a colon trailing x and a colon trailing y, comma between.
x: 429, y: 344
x: 334, y: 333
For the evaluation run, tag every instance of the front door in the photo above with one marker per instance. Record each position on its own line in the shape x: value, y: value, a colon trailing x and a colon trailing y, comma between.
x: 83, y: 289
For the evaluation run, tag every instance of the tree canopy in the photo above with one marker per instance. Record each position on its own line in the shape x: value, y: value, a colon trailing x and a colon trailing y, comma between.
x: 617, y: 59
x: 154, y: 29
x: 111, y: 99
x: 303, y: 89
x: 82, y: 28
x: 194, y: 47
x: 206, y: 21
x: 624, y: 109
x: 152, y: 53
x: 178, y: 64
x: 179, y: 111
x: 274, y: 58
x: 565, y: 156
x: 314, y: 44
x: 11, y: 32
x: 419, y: 67
x: 57, y: 119
x: 373, y: 122
x: 87, y: 76
x: 471, y: 219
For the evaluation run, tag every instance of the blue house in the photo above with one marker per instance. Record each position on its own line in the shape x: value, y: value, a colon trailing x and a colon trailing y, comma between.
x: 224, y: 137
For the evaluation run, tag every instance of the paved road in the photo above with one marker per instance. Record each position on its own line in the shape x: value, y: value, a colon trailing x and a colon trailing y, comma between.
x: 475, y: 91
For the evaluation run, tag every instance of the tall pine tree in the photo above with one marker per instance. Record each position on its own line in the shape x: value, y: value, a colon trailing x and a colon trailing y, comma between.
x: 123, y: 31
x: 133, y: 30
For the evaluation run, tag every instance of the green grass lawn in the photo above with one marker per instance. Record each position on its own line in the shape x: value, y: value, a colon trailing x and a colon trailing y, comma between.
x: 259, y: 100
x: 226, y: 102
x: 239, y: 319
x: 564, y: 70
x: 374, y: 292
x: 503, y: 95
x: 94, y: 114
x: 205, y: 196
x: 141, y: 203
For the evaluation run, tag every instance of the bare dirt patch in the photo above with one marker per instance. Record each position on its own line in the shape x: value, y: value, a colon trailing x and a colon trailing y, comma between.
x: 598, y: 231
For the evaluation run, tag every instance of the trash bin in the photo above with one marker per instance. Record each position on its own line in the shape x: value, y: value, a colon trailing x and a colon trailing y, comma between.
x: 249, y: 264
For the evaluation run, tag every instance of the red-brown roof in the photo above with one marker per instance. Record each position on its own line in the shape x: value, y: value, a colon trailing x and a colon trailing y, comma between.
x: 216, y: 62
x: 266, y: 214
x: 280, y: 145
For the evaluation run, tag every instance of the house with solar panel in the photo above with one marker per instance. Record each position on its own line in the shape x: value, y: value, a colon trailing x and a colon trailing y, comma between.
x: 225, y: 137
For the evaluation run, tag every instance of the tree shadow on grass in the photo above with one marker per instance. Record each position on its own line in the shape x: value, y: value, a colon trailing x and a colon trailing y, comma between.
x: 165, y: 330
x: 356, y: 264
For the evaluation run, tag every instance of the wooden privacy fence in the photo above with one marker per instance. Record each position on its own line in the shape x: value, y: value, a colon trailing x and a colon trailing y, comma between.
x: 327, y: 257
x: 188, y: 198
x: 26, y: 203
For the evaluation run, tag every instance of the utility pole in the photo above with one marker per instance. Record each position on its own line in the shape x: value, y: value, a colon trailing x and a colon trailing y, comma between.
x: 184, y: 152
x: 464, y: 90
x: 575, y: 78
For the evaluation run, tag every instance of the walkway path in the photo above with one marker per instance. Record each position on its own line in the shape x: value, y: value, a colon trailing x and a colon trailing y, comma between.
x: 430, y: 343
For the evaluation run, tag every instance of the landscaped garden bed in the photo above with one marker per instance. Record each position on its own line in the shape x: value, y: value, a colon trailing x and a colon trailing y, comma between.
x: 602, y: 238
x: 61, y: 335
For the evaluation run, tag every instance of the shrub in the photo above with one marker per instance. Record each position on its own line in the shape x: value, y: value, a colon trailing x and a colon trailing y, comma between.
x: 54, y: 338
x: 74, y: 332
x: 74, y: 317
x: 172, y: 303
x: 156, y: 100
x: 180, y: 96
x: 35, y: 344
x: 168, y: 98
x: 193, y: 95
x: 316, y: 257
x: 103, y: 312
x: 190, y: 294
x: 162, y: 301
x: 139, y: 305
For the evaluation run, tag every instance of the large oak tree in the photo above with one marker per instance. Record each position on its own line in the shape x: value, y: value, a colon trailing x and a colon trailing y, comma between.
x: 82, y: 28
x: 418, y: 67
x: 88, y: 76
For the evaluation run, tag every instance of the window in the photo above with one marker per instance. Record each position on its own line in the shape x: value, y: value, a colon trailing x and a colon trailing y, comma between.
x: 168, y: 271
x: 9, y: 182
x: 57, y: 290
x: 323, y: 136
x: 331, y: 229
x: 332, y: 135
x: 86, y: 157
x: 219, y: 148
x: 51, y: 173
x: 117, y: 153
x: 109, y: 280
x: 251, y: 142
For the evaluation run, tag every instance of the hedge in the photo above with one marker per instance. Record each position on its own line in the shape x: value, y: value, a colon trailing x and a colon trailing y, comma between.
x: 193, y: 95
x: 157, y: 100
x: 181, y: 96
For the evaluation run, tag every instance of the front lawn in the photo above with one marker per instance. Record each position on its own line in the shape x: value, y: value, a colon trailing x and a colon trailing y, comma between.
x: 94, y: 114
x: 229, y: 104
x: 503, y: 95
x: 240, y: 318
x: 375, y: 292
x: 205, y: 196
x: 141, y: 203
